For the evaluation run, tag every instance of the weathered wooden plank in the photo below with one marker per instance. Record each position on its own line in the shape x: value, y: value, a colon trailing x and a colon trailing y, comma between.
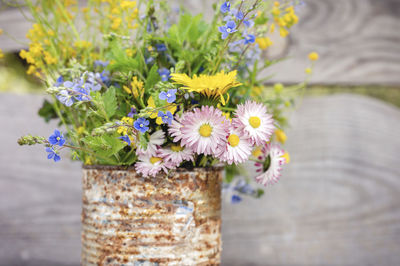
x: 358, y: 41
x: 338, y: 202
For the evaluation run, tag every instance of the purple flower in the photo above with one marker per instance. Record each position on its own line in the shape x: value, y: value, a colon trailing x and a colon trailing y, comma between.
x: 126, y: 139
x: 98, y: 63
x: 229, y: 28
x: 132, y: 112
x: 52, y: 154
x: 238, y: 14
x: 164, y: 74
x: 235, y: 199
x: 248, y: 23
x: 59, y: 81
x: 225, y: 7
x: 169, y: 95
x: 57, y: 138
x: 167, y: 117
x: 250, y: 38
x: 82, y: 93
x: 65, y: 98
x: 141, y: 124
x: 161, y: 47
x: 149, y: 60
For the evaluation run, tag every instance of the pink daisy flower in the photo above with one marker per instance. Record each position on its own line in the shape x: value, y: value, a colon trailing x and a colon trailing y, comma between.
x: 204, y: 130
x: 236, y: 149
x: 176, y: 154
x: 151, y: 165
x: 156, y: 140
x: 254, y: 121
x: 174, y: 128
x: 270, y: 163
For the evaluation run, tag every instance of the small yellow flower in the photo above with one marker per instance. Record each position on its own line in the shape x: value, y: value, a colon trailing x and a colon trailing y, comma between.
x: 286, y: 156
x: 280, y: 136
x: 308, y: 70
x: 276, y: 3
x: 313, y: 56
x: 278, y: 87
x: 1, y: 54
x: 129, y: 52
x: 128, y: 4
x: 116, y: 23
x: 264, y: 42
x: 272, y: 28
x: 276, y: 11
x: 1, y: 31
x: 123, y: 130
x: 283, y: 32
x: 31, y: 70
x: 88, y: 160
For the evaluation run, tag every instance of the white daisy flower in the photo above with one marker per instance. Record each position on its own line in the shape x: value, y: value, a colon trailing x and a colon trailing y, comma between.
x: 270, y: 163
x: 204, y: 130
x: 255, y: 122
x: 156, y: 140
x: 176, y: 154
x: 236, y: 149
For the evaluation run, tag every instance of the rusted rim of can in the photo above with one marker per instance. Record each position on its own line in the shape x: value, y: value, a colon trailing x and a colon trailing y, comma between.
x: 218, y: 167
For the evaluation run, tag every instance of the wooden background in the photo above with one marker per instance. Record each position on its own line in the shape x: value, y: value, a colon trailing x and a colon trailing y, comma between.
x: 338, y: 202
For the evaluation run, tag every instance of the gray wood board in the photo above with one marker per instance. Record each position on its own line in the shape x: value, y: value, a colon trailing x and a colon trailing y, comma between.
x: 338, y: 202
x: 358, y: 41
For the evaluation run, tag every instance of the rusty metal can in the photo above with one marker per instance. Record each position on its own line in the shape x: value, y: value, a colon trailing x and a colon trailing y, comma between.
x: 131, y: 220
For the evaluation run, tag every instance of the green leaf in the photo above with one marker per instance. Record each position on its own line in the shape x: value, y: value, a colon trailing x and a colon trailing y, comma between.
x: 260, y: 192
x: 47, y: 111
x: 230, y: 172
x: 104, y: 146
x: 110, y: 102
x: 152, y: 78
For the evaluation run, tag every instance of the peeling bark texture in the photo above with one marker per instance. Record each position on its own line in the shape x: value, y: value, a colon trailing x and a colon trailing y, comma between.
x: 131, y: 220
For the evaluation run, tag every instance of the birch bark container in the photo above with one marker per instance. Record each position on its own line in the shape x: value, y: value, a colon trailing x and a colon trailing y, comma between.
x: 131, y: 220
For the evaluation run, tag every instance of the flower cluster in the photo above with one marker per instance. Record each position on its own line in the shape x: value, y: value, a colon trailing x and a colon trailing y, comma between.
x: 163, y: 92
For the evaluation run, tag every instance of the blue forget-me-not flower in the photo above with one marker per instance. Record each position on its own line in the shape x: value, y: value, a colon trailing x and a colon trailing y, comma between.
x: 169, y: 95
x: 164, y: 74
x: 225, y: 7
x: 141, y: 124
x: 52, y: 154
x: 57, y: 138
x: 229, y: 28
x: 166, y: 117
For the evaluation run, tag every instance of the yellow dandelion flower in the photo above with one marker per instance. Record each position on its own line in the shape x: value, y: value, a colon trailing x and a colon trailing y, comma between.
x: 308, y: 70
x: 1, y: 54
x: 313, y: 56
x: 211, y: 86
x: 280, y: 136
x: 1, y: 31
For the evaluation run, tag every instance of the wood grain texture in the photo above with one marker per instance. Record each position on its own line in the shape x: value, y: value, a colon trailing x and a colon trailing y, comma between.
x: 358, y: 41
x: 338, y: 202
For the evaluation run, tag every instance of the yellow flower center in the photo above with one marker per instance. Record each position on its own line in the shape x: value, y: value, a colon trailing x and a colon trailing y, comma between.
x: 254, y: 121
x: 257, y: 152
x: 177, y: 148
x: 205, y: 130
x: 233, y: 140
x: 155, y: 160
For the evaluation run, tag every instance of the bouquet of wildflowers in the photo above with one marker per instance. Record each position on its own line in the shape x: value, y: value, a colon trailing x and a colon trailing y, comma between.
x: 133, y: 85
